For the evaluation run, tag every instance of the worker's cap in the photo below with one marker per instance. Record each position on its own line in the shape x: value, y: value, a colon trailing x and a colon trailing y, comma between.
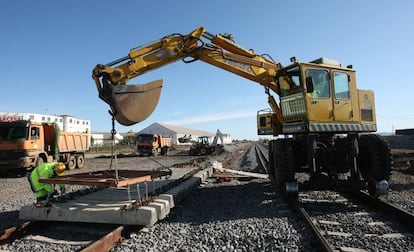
x: 60, y: 168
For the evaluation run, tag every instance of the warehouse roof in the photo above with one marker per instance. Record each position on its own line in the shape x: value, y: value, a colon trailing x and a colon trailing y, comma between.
x: 178, y: 130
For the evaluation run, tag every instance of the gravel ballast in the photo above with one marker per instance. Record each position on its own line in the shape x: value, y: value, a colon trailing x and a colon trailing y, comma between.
x: 230, y: 216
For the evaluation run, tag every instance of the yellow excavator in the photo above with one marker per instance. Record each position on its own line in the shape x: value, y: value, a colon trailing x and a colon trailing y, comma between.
x: 323, y: 123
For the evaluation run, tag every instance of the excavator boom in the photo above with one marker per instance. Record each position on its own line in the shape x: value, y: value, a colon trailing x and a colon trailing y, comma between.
x: 132, y: 103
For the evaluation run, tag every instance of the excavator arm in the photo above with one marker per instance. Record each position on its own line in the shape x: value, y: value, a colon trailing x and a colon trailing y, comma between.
x: 133, y: 103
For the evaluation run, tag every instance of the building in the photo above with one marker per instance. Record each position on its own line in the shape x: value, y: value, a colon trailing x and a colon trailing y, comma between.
x: 176, y: 133
x: 104, y: 138
x: 66, y: 123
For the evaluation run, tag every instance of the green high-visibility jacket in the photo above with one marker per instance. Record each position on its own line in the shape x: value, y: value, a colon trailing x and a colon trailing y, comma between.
x: 45, y: 170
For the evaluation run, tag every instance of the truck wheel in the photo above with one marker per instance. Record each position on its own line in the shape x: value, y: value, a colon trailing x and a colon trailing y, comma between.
x: 72, y: 163
x: 80, y: 161
x: 39, y: 161
x: 203, y: 151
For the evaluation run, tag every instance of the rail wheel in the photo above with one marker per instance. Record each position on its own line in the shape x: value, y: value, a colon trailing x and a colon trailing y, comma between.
x: 375, y: 163
x: 71, y: 162
x: 80, y: 161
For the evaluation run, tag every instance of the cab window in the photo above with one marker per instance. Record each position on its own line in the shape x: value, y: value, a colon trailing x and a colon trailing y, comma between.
x: 341, y: 85
x: 34, y: 133
x: 289, y: 81
x: 320, y: 80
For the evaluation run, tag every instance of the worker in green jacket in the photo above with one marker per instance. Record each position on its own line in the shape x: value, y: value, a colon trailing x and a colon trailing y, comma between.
x: 43, y: 191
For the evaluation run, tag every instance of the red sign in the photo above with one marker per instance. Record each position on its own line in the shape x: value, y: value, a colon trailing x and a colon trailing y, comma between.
x: 10, y: 118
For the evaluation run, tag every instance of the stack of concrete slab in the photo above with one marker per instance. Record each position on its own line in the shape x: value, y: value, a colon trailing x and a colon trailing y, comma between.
x: 118, y: 205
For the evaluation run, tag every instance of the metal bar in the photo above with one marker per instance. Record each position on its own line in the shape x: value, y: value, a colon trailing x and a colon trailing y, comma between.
x: 139, y: 195
x: 107, y: 242
x: 300, y: 210
x: 406, y: 218
x: 91, y: 181
x: 106, y: 178
x: 117, y: 61
x: 14, y: 232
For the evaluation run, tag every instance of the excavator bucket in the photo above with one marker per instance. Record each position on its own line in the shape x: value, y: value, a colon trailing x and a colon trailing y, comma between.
x: 133, y: 103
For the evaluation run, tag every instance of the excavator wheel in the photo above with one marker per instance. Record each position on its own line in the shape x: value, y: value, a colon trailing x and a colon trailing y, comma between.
x: 375, y: 162
x: 283, y: 165
x: 270, y: 169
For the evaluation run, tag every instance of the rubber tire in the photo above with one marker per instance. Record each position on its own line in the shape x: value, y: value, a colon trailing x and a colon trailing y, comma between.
x: 80, y: 161
x: 71, y: 165
x: 375, y: 159
x: 270, y: 168
x: 203, y: 151
x: 283, y: 161
x: 39, y: 161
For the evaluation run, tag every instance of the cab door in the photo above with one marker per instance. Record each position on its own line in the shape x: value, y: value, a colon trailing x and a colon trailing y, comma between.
x: 342, y: 107
x: 319, y: 101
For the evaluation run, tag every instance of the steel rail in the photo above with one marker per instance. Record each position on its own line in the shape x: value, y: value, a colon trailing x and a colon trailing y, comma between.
x: 13, y: 233
x: 107, y: 242
x: 261, y: 156
x: 406, y: 218
x: 299, y: 209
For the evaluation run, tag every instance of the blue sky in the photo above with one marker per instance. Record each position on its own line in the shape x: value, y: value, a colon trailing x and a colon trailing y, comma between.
x: 49, y: 48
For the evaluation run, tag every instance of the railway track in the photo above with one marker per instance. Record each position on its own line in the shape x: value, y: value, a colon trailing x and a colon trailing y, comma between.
x: 352, y: 221
x: 76, y: 237
x: 344, y: 222
x: 262, y: 154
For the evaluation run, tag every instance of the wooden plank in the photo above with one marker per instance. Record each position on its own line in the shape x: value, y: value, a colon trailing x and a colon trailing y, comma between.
x: 242, y: 173
x: 106, y: 178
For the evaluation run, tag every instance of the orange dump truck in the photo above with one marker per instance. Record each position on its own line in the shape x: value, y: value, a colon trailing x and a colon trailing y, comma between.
x: 152, y: 144
x: 24, y: 144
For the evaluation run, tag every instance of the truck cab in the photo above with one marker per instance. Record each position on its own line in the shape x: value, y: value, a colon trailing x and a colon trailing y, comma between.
x: 152, y: 144
x: 25, y: 144
x: 20, y: 144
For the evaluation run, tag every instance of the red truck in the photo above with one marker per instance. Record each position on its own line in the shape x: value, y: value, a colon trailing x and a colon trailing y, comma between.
x: 152, y: 145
